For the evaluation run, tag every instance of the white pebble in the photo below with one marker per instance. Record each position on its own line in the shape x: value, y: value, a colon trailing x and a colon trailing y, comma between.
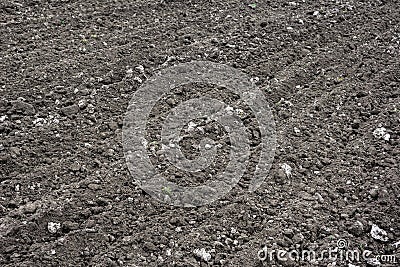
x: 168, y: 252
x: 378, y: 233
x: 381, y: 133
x: 140, y: 68
x: 203, y: 254
x: 52, y: 227
x: 137, y: 79
x: 287, y: 169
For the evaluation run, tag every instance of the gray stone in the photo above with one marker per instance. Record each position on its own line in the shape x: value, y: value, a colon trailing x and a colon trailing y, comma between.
x: 75, y: 166
x: 288, y: 232
x: 94, y: 186
x: 280, y: 176
x: 374, y: 193
x: 23, y: 107
x: 149, y: 246
x: 357, y: 229
x: 70, y: 110
x: 30, y: 207
x: 69, y: 226
x: 298, y: 238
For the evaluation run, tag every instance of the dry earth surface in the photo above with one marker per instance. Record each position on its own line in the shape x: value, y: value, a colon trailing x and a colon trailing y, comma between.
x: 330, y: 71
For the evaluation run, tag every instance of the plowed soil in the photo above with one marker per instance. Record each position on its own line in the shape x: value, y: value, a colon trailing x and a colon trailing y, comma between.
x: 68, y: 69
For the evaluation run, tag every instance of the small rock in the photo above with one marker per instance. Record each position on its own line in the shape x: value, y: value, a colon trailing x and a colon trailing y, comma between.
x: 341, y: 190
x: 378, y: 233
x: 128, y: 239
x: 111, y: 263
x: 68, y: 226
x: 12, y: 204
x: 101, y: 201
x: 298, y: 238
x: 356, y: 124
x: 53, y: 227
x: 70, y: 110
x: 386, y: 137
x: 75, y: 166
x: 113, y: 125
x: 280, y: 176
x: 90, y: 108
x: 170, y: 101
x: 190, y: 261
x: 39, y: 122
x: 140, y: 68
x: 284, y: 242
x: 361, y: 94
x: 357, y: 229
x: 23, y: 107
x: 3, y: 158
x: 326, y: 161
x: 319, y: 198
x: 168, y: 252
x: 391, y: 161
x: 255, y: 80
x: 287, y: 169
x: 109, y: 152
x: 30, y: 207
x: 15, y: 151
x: 288, y: 232
x: 374, y: 193
x: 85, y: 92
x: 10, y: 249
x: 110, y: 238
x: 284, y: 114
x: 149, y: 246
x: 208, y: 146
x: 202, y: 254
x: 129, y: 72
x: 82, y: 104
x: 306, y: 196
x: 94, y: 186
x: 381, y: 133
x: 137, y: 79
x: 177, y: 221
x: 2, y: 209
